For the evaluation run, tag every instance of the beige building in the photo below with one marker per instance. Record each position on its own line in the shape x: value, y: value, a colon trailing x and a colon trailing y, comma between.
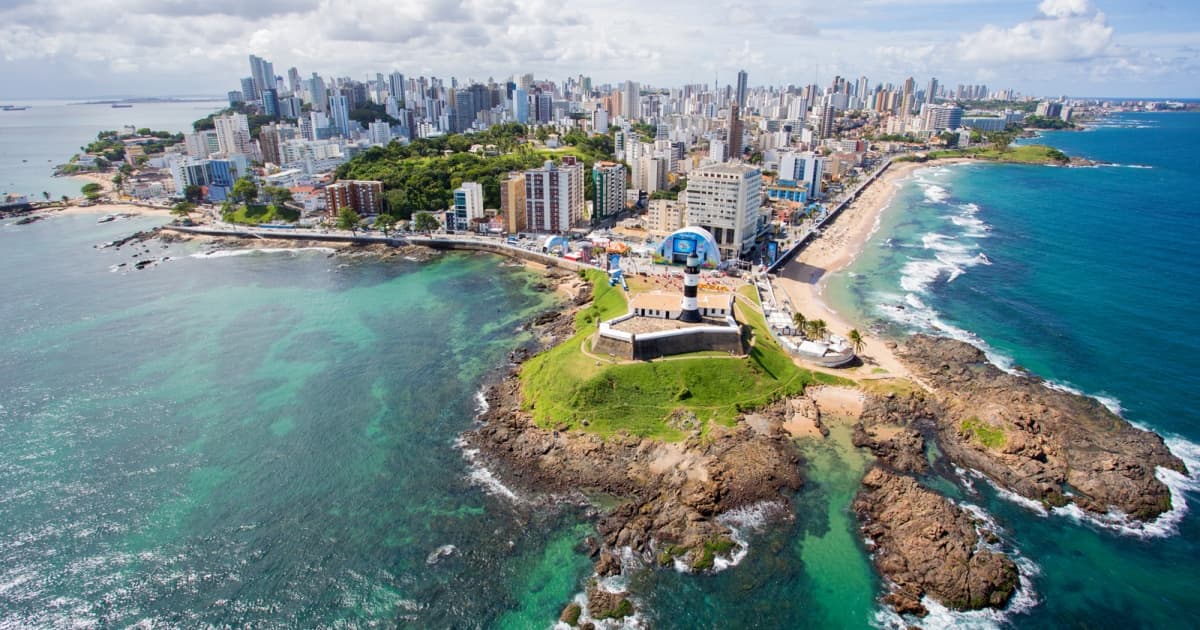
x: 512, y: 202
x: 664, y: 216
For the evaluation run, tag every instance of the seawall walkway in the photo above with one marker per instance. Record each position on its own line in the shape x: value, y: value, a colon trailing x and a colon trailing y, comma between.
x: 444, y: 242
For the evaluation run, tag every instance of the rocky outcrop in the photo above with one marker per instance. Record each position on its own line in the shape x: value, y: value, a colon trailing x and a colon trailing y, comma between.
x: 672, y: 493
x: 1044, y: 444
x: 926, y: 545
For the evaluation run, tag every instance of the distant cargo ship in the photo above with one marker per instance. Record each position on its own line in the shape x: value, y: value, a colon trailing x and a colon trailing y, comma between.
x: 121, y: 105
x: 14, y: 108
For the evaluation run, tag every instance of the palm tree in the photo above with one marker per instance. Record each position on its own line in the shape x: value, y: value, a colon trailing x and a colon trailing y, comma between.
x: 816, y: 329
x: 856, y: 340
x: 798, y: 320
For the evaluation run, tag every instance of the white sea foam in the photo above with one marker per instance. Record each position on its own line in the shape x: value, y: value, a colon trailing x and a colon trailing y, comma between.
x: 1179, y: 485
x: 935, y: 193
x: 481, y: 403
x: 480, y: 476
x: 740, y: 522
x: 939, y: 617
x: 228, y: 253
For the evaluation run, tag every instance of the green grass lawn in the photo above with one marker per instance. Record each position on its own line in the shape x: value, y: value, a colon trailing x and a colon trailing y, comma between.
x: 254, y: 214
x: 563, y: 386
x: 1023, y: 154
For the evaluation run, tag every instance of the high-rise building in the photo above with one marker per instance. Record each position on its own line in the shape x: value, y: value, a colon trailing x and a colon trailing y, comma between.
x: 201, y: 144
x: 931, y: 91
x: 294, y: 83
x: 363, y: 196
x: 521, y: 105
x: 544, y: 108
x: 650, y: 174
x: 725, y: 199
x: 263, y: 74
x: 608, y: 184
x: 379, y: 132
x: 717, y: 151
x: 631, y: 98
x: 554, y: 196
x: 941, y: 117
x: 804, y: 169
x: 271, y: 138
x: 734, y: 139
x: 270, y: 102
x: 235, y: 97
x: 600, y: 120
x: 317, y: 94
x: 339, y: 114
x: 741, y: 90
x: 827, y: 117
x: 512, y: 202
x: 396, y: 86
x: 248, y: 90
x: 468, y: 205
x: 233, y: 134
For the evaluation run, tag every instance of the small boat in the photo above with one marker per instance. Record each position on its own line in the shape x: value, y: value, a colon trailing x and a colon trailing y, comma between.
x: 106, y: 218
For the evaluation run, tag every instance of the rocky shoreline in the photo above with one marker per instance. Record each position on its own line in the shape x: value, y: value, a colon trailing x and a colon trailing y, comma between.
x: 1046, y: 445
x: 667, y: 496
x: 1043, y: 444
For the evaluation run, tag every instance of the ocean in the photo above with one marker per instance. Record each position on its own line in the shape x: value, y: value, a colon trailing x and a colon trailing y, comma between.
x: 35, y: 140
x: 1085, y: 277
x: 271, y: 438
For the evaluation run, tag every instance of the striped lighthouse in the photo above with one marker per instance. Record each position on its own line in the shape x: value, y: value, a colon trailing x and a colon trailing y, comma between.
x: 690, y: 311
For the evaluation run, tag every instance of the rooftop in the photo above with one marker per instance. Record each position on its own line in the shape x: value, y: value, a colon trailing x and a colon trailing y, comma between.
x: 669, y: 301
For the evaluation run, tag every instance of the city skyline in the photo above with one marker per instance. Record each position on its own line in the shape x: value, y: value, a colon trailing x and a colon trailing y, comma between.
x: 1075, y: 47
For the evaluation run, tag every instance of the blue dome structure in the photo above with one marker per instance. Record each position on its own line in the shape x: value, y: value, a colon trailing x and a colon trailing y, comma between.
x: 690, y: 240
x: 555, y: 240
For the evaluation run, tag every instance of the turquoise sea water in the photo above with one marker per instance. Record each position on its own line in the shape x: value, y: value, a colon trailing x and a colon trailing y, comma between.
x: 1087, y: 277
x: 262, y: 439
x: 269, y: 439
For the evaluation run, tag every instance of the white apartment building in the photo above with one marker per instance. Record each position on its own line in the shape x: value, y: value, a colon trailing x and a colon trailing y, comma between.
x: 233, y: 134
x: 468, y: 205
x: 726, y: 200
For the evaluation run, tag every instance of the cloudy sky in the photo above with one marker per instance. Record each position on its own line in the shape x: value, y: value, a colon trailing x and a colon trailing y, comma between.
x: 75, y: 48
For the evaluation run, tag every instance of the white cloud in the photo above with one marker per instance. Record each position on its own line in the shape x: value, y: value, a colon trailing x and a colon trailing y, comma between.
x: 1070, y: 30
x: 172, y: 46
x: 1065, y: 8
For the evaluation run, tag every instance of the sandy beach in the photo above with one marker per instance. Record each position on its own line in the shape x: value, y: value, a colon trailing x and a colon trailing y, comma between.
x: 803, y: 280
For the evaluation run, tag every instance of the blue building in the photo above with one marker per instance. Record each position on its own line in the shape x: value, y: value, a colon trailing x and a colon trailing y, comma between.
x: 521, y: 105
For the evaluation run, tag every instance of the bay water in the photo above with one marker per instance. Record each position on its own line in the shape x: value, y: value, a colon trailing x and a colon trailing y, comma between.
x: 270, y: 438
x: 35, y: 140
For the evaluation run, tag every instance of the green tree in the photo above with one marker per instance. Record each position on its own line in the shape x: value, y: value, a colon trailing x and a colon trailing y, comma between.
x: 798, y: 320
x: 245, y: 190
x: 348, y: 219
x: 194, y: 193
x: 46, y: 195
x: 856, y: 340
x: 92, y: 190
x: 425, y: 222
x: 183, y: 208
x: 385, y: 222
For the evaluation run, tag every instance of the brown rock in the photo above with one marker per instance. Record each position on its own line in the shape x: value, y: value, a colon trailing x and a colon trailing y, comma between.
x: 927, y: 545
x: 1034, y: 440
